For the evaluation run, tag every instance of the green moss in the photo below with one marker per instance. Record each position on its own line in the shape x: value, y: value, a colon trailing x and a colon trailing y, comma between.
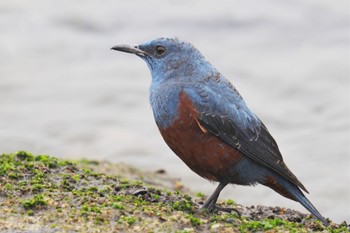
x: 194, y: 221
x: 50, y: 162
x: 230, y: 202
x: 24, y: 156
x: 118, y: 206
x: 155, y: 196
x: 339, y: 229
x: 199, y: 194
x: 183, y: 205
x: 34, y: 202
x: 86, y: 171
x: 268, y: 224
x: 70, y: 197
x: 92, y: 189
x: 118, y: 198
x: 76, y: 177
x: 129, y: 219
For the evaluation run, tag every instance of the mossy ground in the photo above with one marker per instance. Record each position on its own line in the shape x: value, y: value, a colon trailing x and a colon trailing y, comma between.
x: 45, y: 194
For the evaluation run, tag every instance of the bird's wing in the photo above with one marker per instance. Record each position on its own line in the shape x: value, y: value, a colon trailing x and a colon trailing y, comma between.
x: 231, y: 121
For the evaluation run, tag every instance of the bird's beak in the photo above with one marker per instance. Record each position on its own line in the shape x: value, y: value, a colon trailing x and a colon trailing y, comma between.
x: 134, y: 49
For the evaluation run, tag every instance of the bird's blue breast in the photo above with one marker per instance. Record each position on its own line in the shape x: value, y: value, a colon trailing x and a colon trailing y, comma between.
x: 164, y: 99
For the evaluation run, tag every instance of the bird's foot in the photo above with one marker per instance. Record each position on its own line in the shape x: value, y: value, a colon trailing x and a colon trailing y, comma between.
x: 215, y: 208
x: 228, y: 210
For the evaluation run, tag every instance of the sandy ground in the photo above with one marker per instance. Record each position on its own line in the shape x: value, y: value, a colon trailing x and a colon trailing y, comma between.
x: 64, y: 93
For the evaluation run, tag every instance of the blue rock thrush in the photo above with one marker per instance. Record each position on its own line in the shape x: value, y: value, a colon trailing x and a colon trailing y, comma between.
x: 205, y: 121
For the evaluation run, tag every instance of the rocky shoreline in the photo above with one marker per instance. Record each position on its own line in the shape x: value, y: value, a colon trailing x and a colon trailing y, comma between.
x: 46, y: 194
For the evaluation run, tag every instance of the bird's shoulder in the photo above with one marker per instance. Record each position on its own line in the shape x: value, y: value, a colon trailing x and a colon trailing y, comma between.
x: 216, y: 98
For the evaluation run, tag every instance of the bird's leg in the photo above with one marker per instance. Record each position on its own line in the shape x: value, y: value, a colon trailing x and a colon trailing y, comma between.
x: 210, y: 204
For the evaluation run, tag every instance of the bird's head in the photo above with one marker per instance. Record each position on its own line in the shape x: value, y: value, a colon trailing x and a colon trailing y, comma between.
x: 166, y: 57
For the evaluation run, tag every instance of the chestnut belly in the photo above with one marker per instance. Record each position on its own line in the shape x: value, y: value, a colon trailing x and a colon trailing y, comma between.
x: 201, y: 151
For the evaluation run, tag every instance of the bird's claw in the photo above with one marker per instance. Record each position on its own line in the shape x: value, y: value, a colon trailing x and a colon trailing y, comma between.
x: 216, y: 208
x: 228, y: 210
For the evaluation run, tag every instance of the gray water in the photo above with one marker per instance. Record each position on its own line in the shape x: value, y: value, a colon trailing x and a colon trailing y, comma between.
x: 64, y: 93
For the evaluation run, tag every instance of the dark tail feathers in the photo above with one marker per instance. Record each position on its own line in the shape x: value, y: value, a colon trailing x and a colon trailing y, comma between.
x: 291, y: 191
x: 300, y: 197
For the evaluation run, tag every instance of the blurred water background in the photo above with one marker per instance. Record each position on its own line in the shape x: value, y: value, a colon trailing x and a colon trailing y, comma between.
x: 64, y: 93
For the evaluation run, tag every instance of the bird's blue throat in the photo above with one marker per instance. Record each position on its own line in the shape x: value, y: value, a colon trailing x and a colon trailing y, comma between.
x: 164, y: 100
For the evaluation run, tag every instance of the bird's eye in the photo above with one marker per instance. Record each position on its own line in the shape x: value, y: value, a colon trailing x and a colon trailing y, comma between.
x: 160, y: 50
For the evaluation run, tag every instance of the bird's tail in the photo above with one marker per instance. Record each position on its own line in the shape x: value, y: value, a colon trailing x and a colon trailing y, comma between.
x: 291, y: 191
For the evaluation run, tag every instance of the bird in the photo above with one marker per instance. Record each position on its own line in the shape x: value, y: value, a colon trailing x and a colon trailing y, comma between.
x: 207, y: 124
